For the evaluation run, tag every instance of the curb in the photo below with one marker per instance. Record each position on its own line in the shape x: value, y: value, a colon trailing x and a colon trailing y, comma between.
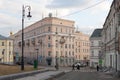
x: 55, y: 76
x: 19, y: 75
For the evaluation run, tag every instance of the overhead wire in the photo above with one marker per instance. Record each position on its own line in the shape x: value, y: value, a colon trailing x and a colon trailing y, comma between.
x: 84, y: 8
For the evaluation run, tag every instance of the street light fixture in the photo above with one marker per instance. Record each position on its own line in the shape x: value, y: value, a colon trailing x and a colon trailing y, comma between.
x: 23, y: 16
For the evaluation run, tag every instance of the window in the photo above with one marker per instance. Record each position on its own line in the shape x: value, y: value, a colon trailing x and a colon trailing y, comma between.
x: 61, y: 29
x: 76, y: 50
x: 69, y: 53
x: 9, y: 43
x: 65, y: 53
x: 69, y: 46
x: 61, y: 53
x: 9, y: 52
x: 79, y: 56
x: 65, y: 45
x: 92, y: 43
x: 92, y: 54
x: 3, y: 51
x: 56, y: 29
x: 49, y: 37
x: 49, y: 53
x: 49, y: 29
x: 49, y: 45
x: 100, y: 43
x: 3, y: 44
x: 92, y: 51
x: 56, y: 53
x: 73, y: 53
x: 73, y: 46
x: 56, y: 45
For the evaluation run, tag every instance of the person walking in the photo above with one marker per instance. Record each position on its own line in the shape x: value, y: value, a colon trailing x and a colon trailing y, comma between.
x: 73, y: 67
x: 78, y: 67
x: 97, y: 68
x: 57, y: 67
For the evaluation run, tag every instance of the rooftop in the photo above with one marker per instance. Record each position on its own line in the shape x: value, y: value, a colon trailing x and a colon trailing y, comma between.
x: 3, y: 37
x: 96, y: 33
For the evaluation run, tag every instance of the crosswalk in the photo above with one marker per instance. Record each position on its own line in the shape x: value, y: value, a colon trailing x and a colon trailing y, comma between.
x: 85, y: 70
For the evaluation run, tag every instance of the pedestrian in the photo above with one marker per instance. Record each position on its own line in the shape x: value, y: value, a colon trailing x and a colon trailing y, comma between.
x: 97, y: 68
x: 56, y: 67
x: 73, y: 67
x: 78, y: 67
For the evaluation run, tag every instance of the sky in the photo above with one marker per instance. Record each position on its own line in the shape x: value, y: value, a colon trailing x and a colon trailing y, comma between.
x: 87, y: 14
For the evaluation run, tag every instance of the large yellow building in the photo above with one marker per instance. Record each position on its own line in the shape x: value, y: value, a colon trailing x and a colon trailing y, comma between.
x: 6, y: 50
x: 48, y: 40
x: 82, y: 47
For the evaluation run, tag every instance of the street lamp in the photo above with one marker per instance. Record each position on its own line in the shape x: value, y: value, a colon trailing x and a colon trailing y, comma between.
x: 23, y: 16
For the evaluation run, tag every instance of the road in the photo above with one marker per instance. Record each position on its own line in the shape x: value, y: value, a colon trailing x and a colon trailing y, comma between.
x: 85, y: 74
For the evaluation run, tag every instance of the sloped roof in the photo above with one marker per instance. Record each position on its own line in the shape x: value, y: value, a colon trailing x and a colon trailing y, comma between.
x: 96, y: 33
x: 3, y: 37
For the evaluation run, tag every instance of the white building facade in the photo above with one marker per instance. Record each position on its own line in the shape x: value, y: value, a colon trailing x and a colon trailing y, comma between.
x: 95, y: 48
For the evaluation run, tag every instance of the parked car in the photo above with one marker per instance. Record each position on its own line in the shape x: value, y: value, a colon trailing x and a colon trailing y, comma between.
x: 76, y: 64
x: 80, y: 64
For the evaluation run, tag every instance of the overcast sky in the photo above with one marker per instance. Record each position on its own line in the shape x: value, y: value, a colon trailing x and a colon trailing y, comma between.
x: 86, y: 19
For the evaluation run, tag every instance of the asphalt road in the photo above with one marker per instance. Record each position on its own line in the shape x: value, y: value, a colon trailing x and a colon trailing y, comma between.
x: 85, y: 75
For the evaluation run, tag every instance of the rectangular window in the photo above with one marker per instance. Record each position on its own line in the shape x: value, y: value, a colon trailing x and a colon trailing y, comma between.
x: 73, y: 53
x: 56, y: 29
x: 69, y: 46
x: 3, y: 44
x: 73, y: 46
x: 61, y: 29
x: 56, y: 53
x: 69, y: 53
x: 66, y: 53
x: 9, y: 52
x: 49, y: 45
x: 9, y: 43
x: 49, y: 53
x: 56, y: 45
x: 65, y: 45
x: 49, y: 29
x: 49, y: 37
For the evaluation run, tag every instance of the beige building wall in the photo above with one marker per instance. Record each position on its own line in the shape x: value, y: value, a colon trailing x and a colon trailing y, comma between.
x: 47, y: 36
x: 6, y: 50
x: 53, y: 37
x: 82, y: 47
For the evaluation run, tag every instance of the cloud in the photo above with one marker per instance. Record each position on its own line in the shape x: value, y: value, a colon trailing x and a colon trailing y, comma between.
x: 67, y: 4
x: 103, y: 7
x: 11, y: 11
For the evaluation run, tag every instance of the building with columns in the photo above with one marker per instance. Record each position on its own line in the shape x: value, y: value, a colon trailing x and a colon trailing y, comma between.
x: 50, y: 40
x: 111, y: 37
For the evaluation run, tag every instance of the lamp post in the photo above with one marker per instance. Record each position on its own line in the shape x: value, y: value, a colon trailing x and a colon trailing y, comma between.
x: 23, y: 16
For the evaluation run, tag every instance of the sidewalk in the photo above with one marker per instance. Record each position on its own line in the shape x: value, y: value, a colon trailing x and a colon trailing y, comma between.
x: 23, y: 74
x: 105, y: 76
x: 42, y: 76
x: 47, y: 75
